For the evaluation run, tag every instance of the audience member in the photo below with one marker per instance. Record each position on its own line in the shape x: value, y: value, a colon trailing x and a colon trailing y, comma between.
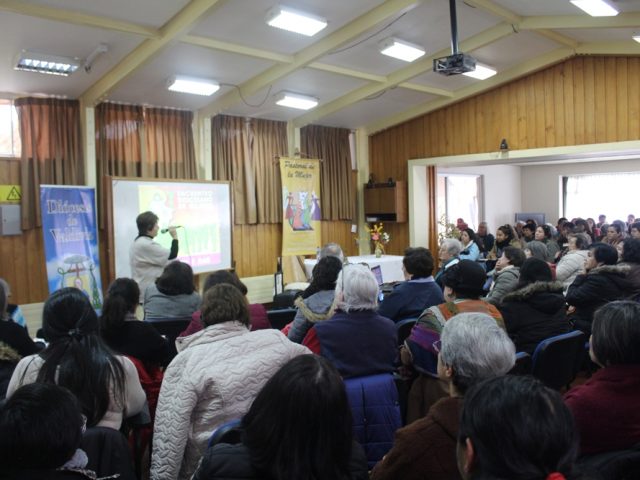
x: 410, y: 298
x: 257, y: 313
x: 106, y: 385
x: 472, y: 348
x: 124, y: 333
x: 528, y: 232
x: 582, y: 226
x: 214, y: 378
x: 505, y: 237
x: 331, y: 250
x: 537, y: 250
x: 543, y: 234
x: 572, y: 263
x: 631, y: 257
x: 471, y: 250
x: 298, y: 427
x: 12, y: 335
x: 463, y: 288
x: 173, y: 295
x: 41, y: 430
x: 486, y: 239
x: 606, y: 406
x: 448, y: 254
x: 506, y: 274
x: 536, y: 309
x: 614, y: 234
x: 594, y: 228
x: 513, y: 427
x: 13, y: 311
x: 320, y: 305
x: 603, y: 281
x: 357, y: 340
x: 602, y: 220
x: 634, y: 230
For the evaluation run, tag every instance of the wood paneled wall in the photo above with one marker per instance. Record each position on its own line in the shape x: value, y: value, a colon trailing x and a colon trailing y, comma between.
x: 580, y: 101
x: 22, y: 256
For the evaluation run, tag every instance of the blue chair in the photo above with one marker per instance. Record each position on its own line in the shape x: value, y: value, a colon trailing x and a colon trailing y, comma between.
x: 403, y: 329
x: 376, y: 413
x: 556, y: 360
x: 228, y: 432
x: 523, y: 364
x: 169, y: 328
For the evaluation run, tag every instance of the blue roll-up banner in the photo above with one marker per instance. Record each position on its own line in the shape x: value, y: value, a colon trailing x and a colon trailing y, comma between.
x: 71, y: 239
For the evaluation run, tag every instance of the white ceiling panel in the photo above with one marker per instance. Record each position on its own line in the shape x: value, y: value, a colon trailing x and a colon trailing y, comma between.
x: 143, y: 12
x: 243, y: 22
x: 367, y: 111
x: 592, y: 35
x: 20, y: 32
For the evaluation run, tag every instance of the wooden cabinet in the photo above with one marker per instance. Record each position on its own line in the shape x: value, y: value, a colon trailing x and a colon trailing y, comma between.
x: 384, y: 202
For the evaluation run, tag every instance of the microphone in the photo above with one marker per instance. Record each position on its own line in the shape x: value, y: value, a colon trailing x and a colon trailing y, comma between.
x: 165, y: 230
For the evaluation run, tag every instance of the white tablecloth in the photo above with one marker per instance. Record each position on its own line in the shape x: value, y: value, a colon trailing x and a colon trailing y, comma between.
x: 390, y: 265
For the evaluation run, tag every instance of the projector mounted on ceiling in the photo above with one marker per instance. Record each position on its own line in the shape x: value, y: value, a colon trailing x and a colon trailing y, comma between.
x: 458, y: 62
x: 454, y: 64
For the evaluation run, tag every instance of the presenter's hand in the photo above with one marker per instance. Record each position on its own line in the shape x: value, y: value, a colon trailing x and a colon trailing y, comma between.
x: 173, y: 233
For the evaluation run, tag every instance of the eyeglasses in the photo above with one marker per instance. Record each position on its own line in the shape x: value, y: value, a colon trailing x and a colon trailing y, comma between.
x: 437, y: 345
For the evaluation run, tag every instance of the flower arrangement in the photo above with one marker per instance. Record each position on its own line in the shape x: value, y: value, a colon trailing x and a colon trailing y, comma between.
x: 447, y: 229
x: 379, y: 238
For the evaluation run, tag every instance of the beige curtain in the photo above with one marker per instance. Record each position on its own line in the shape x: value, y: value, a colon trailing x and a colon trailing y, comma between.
x: 51, y: 150
x: 118, y: 147
x: 170, y: 150
x: 331, y: 145
x: 268, y: 141
x: 432, y: 229
x: 244, y: 151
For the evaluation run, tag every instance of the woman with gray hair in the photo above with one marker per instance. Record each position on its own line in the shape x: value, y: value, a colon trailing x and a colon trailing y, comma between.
x: 356, y: 339
x: 573, y: 262
x: 472, y: 348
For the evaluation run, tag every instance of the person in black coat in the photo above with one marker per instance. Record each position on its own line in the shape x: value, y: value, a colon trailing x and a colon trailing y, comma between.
x: 298, y: 427
x: 14, y: 335
x: 124, y: 333
x: 536, y: 309
x: 603, y: 282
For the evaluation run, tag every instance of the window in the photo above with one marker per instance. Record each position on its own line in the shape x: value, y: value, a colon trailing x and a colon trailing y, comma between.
x: 9, y: 133
x: 612, y: 194
x: 459, y: 197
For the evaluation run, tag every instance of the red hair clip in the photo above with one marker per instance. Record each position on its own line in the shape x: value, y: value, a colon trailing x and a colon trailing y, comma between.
x: 555, y: 476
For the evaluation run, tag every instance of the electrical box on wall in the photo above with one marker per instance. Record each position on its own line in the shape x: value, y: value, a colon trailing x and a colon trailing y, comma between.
x: 10, y: 220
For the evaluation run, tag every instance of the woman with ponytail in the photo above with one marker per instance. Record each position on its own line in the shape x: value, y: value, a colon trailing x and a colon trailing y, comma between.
x: 106, y: 385
x: 124, y: 333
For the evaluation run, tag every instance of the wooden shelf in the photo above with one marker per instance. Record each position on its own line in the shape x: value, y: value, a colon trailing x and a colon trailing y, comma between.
x: 386, y: 203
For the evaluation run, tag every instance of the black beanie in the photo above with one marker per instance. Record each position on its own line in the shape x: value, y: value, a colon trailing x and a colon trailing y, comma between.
x: 534, y: 270
x: 466, y: 278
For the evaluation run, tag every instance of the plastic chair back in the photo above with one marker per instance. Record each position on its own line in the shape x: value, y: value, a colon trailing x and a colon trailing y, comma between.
x: 279, y: 318
x: 403, y: 329
x: 555, y: 359
x: 228, y: 432
x: 522, y: 365
x: 170, y: 328
x: 617, y: 465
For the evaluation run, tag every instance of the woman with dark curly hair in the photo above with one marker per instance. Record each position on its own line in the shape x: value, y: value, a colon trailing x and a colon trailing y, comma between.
x: 470, y: 244
x: 506, y: 236
x: 173, y: 295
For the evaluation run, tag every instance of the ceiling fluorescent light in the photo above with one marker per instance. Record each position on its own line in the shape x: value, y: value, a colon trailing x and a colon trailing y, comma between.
x: 196, y: 86
x: 596, y: 8
x: 636, y: 38
x: 401, y: 50
x: 295, y: 21
x: 49, y: 64
x: 294, y: 100
x: 481, y: 72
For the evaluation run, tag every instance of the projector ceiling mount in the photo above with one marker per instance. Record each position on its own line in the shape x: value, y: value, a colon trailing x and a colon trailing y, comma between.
x: 457, y: 62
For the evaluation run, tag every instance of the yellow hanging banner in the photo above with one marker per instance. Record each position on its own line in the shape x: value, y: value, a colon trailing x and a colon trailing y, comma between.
x: 10, y: 193
x: 300, y: 206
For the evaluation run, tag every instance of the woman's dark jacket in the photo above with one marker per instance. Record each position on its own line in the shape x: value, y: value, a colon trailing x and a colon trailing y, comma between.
x: 590, y: 291
x: 533, y: 313
x: 233, y: 462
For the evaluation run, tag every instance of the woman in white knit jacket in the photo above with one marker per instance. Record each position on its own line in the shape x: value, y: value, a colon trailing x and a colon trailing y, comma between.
x: 572, y: 263
x: 215, y: 377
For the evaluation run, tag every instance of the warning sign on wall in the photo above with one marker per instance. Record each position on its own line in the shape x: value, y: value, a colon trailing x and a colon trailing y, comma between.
x: 10, y: 194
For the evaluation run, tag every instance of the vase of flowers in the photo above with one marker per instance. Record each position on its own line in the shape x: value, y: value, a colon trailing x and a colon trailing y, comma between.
x: 379, y: 238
